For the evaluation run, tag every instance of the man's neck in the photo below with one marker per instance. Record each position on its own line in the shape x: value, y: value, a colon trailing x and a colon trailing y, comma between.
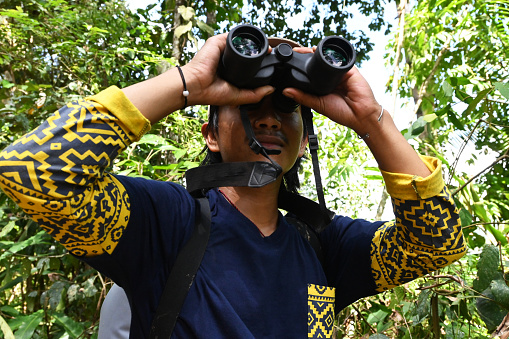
x: 258, y: 204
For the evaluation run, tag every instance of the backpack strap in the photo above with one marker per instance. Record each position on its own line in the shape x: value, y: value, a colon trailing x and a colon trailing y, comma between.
x: 182, y: 275
x: 308, y: 233
x: 188, y: 261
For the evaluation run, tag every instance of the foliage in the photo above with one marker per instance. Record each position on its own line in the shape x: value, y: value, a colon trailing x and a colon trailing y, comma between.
x: 198, y: 20
x: 456, y: 62
x: 455, y: 74
x: 53, y: 52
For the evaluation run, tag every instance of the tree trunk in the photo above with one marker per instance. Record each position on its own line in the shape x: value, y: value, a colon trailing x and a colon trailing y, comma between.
x: 177, y: 46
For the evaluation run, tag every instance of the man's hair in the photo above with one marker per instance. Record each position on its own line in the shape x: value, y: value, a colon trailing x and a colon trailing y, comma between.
x: 290, y: 179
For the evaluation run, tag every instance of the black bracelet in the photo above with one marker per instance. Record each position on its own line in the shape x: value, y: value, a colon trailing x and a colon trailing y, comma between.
x: 185, y: 93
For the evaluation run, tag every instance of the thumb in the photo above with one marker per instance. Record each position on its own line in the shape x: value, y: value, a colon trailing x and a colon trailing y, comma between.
x: 304, y: 98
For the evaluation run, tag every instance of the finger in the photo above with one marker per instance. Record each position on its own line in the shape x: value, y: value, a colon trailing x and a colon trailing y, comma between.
x: 251, y: 96
x: 303, y: 98
x: 304, y: 50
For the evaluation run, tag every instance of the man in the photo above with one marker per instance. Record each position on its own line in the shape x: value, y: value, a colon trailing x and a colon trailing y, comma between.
x: 259, y: 277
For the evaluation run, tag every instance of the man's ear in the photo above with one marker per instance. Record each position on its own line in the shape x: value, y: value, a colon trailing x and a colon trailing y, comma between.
x: 210, y: 137
x: 303, y: 144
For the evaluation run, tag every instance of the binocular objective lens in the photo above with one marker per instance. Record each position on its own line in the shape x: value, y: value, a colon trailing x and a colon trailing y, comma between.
x: 246, y: 46
x: 334, y: 55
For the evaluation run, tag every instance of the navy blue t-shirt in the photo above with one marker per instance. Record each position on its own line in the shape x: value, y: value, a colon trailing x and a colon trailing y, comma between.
x: 247, y: 286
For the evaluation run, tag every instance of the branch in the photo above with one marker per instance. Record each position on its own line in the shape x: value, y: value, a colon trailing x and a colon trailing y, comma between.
x: 462, y: 148
x: 426, y: 82
x: 505, y: 156
x: 381, y: 205
x: 395, y: 77
x: 486, y: 223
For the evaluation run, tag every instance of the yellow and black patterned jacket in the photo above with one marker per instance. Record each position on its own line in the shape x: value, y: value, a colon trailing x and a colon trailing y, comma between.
x: 56, y: 173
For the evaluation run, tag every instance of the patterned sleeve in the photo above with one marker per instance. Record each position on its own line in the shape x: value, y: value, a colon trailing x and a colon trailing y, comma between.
x: 426, y: 234
x: 56, y: 173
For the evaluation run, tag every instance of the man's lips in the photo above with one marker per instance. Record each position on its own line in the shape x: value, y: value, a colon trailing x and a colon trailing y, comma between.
x: 270, y: 141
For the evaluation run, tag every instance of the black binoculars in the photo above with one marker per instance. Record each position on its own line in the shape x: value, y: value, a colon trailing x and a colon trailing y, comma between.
x: 246, y: 64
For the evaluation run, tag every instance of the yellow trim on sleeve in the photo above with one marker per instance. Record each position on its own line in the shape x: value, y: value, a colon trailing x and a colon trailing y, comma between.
x: 409, y: 187
x: 117, y: 103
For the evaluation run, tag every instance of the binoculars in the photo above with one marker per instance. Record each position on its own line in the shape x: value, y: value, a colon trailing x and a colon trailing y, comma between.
x: 246, y: 64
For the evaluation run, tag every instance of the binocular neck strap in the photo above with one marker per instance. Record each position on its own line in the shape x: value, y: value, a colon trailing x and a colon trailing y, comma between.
x: 307, y: 116
x: 253, y: 143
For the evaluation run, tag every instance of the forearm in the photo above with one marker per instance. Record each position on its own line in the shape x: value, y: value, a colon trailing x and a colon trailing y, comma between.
x: 159, y: 96
x: 426, y: 234
x: 390, y: 149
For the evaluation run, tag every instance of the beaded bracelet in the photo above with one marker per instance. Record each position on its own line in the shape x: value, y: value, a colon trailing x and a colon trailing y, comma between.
x: 185, y: 93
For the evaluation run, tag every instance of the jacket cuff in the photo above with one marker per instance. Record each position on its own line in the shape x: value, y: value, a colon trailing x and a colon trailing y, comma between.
x: 115, y: 101
x: 414, y: 187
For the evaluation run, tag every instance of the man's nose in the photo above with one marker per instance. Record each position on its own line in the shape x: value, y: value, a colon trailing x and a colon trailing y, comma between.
x: 269, y: 119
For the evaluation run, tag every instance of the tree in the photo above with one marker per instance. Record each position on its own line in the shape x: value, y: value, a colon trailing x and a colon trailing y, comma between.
x: 454, y: 70
x: 53, y: 52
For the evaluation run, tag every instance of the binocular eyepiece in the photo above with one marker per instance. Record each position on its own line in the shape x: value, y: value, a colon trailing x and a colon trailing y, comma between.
x: 246, y: 64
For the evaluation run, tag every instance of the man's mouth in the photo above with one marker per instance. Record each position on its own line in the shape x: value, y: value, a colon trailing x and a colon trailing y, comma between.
x: 270, y: 141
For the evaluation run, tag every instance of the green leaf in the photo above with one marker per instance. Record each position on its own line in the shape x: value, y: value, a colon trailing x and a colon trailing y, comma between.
x: 7, y: 84
x: 11, y: 284
x: 429, y: 117
x: 7, y: 228
x: 423, y: 305
x: 6, y: 330
x: 204, y: 27
x: 497, y: 234
x: 187, y: 13
x: 73, y: 328
x: 29, y: 324
x: 377, y: 316
x: 452, y: 118
x: 479, y: 209
x: 500, y: 292
x: 416, y: 129
x: 503, y: 88
x: 373, y: 177
x: 490, y: 312
x: 55, y: 294
x: 26, y: 268
x: 179, y: 153
x: 487, y: 268
x: 180, y: 30
x: 152, y: 139
x: 465, y: 217
x: 89, y: 289
x: 447, y: 88
x: 480, y: 96
x: 334, y: 170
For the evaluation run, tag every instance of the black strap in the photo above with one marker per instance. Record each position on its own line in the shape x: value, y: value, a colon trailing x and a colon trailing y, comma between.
x: 246, y: 174
x: 306, y: 210
x: 307, y: 233
x: 182, y: 275
x: 189, y: 259
x: 307, y: 116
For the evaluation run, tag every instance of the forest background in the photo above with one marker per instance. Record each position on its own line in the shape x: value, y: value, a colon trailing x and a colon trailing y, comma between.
x: 448, y: 65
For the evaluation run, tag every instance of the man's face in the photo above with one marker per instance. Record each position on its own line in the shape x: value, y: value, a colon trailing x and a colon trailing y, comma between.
x: 273, y: 129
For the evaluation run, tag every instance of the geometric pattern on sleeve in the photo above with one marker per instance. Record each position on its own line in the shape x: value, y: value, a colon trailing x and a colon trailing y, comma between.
x: 425, y: 236
x: 56, y: 173
x: 321, y: 301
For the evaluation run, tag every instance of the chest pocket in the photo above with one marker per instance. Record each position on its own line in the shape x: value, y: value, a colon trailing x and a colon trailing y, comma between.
x: 321, y: 301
